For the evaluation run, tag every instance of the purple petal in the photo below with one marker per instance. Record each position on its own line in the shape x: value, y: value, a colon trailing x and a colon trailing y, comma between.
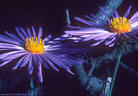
x: 133, y: 35
x: 14, y: 56
x: 20, y: 34
x: 98, y: 19
x: 18, y: 63
x: 111, y: 41
x: 86, y: 31
x: 111, y: 45
x: 26, y: 60
x: 127, y: 12
x: 40, y: 73
x: 103, y: 36
x: 48, y: 38
x: 9, y: 40
x: 83, y: 20
x: 30, y: 67
x: 42, y: 61
x: 56, y: 61
x: 116, y: 14
x: 74, y: 27
x: 70, y: 72
x: 112, y: 14
x: 50, y: 63
x: 134, y: 25
x: 24, y: 32
x: 105, y: 14
x: 34, y: 33
x: 126, y: 35
x: 5, y: 62
x: 7, y: 54
x: 92, y: 36
x: 13, y: 37
x: 10, y: 46
x: 71, y: 60
x: 29, y: 32
x: 89, y: 17
x: 95, y: 44
x: 40, y: 33
x: 134, y: 16
x: 90, y: 23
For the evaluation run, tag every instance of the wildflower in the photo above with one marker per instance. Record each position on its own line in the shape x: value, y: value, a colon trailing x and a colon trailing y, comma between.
x: 108, y: 31
x: 31, y: 49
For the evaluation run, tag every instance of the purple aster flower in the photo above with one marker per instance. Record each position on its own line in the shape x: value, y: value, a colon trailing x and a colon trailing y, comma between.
x: 106, y: 31
x: 30, y: 49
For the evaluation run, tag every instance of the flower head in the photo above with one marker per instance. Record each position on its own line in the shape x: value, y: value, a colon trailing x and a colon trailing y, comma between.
x: 107, y: 31
x: 34, y: 51
x: 34, y: 46
x: 119, y: 25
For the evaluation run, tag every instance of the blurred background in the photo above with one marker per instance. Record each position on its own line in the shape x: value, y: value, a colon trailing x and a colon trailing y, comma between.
x: 51, y: 15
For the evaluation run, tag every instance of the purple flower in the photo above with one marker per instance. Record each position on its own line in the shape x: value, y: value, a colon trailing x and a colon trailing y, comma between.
x: 30, y: 49
x: 106, y: 31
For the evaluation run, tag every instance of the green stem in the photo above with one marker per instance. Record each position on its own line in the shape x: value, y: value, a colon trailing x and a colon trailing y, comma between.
x: 32, y: 86
x: 115, y: 71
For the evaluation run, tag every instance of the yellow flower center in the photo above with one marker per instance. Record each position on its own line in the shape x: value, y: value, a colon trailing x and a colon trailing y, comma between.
x: 119, y: 25
x: 33, y: 46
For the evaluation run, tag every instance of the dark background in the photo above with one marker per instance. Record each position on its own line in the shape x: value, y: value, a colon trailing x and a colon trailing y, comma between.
x: 50, y: 14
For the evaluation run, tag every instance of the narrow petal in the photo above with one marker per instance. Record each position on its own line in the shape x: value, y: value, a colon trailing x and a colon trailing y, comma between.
x: 14, y: 56
x: 86, y: 31
x: 29, y: 32
x: 135, y: 24
x: 18, y: 63
x: 97, y: 43
x: 50, y: 63
x: 103, y: 36
x: 116, y: 14
x: 11, y: 46
x: 127, y: 12
x: 99, y: 19
x: 133, y: 35
x: 13, y: 37
x: 70, y: 72
x: 71, y: 60
x: 105, y: 14
x: 9, y: 40
x: 95, y: 37
x: 134, y: 16
x: 73, y: 27
x: 126, y: 36
x: 24, y: 32
x: 90, y: 23
x: 34, y: 33
x: 20, y: 34
x: 30, y: 67
x: 83, y: 20
x: 112, y: 44
x: 111, y: 41
x: 48, y: 38
x: 40, y: 73
x: 112, y: 14
x: 42, y: 61
x: 56, y: 61
x: 40, y: 33
x: 7, y: 54
x: 26, y: 60
x: 5, y: 62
